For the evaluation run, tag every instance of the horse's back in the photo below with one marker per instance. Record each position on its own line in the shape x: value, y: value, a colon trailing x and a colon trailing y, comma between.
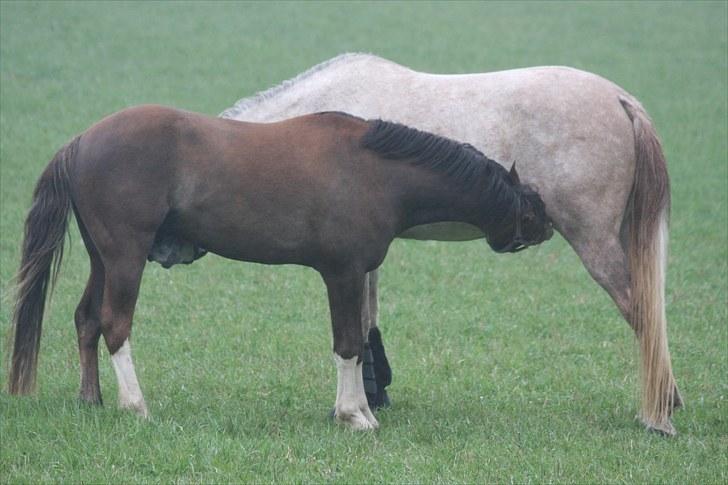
x: 162, y: 146
x: 526, y: 114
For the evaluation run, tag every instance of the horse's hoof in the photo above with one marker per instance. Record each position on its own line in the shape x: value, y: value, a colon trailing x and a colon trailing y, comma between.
x: 666, y: 429
x: 382, y: 402
x: 663, y: 429
x: 139, y: 408
x: 357, y: 421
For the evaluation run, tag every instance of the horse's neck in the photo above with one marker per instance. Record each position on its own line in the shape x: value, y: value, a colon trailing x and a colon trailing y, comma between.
x: 433, y: 198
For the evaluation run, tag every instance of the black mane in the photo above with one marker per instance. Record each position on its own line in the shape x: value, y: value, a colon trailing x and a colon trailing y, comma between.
x: 460, y: 162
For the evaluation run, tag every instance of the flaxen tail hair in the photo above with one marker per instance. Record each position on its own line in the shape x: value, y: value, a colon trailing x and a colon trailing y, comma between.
x: 646, y: 218
x: 45, y: 231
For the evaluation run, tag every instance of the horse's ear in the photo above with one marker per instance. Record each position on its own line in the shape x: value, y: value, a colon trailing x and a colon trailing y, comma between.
x: 514, y: 175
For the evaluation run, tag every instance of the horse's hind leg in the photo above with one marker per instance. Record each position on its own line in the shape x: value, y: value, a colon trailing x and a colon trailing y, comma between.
x: 607, y: 264
x: 121, y: 288
x: 88, y: 325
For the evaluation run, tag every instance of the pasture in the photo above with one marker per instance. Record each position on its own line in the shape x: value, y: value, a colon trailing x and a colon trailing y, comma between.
x: 507, y: 368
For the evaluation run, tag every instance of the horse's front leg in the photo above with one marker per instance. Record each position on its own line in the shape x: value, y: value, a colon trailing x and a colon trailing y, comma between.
x: 346, y: 291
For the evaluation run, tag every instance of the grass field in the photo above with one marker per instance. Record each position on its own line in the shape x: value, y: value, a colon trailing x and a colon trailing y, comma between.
x: 506, y: 368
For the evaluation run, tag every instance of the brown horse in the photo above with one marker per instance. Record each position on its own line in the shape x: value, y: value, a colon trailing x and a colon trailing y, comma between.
x: 328, y: 191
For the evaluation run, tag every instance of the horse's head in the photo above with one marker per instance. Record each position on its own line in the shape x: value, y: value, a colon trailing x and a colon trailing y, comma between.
x: 529, y: 227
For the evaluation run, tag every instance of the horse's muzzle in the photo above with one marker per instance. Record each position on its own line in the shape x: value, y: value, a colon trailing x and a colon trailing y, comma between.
x: 519, y: 243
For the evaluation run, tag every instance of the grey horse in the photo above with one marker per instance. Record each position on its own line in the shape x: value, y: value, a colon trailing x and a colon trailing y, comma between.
x: 586, y: 145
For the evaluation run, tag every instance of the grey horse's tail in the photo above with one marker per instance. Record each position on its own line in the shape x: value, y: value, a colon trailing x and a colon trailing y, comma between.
x: 45, y: 230
x: 646, y: 220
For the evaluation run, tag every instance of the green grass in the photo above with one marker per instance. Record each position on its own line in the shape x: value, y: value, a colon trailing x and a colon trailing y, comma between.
x: 507, y: 368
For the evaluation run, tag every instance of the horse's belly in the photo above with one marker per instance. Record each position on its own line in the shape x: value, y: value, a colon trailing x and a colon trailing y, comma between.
x: 443, y: 231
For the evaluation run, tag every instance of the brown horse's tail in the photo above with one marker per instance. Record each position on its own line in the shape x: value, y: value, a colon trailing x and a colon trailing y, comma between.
x: 646, y: 219
x: 45, y: 230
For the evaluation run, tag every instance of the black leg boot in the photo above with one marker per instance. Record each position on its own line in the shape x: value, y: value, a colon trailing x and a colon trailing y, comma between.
x: 370, y: 379
x: 376, y: 370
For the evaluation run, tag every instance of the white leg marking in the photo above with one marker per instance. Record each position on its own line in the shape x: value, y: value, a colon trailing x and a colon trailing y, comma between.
x: 351, y: 406
x: 130, y: 394
x: 359, y: 376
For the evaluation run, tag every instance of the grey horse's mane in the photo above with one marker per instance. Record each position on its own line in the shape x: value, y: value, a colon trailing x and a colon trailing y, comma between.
x: 245, y: 103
